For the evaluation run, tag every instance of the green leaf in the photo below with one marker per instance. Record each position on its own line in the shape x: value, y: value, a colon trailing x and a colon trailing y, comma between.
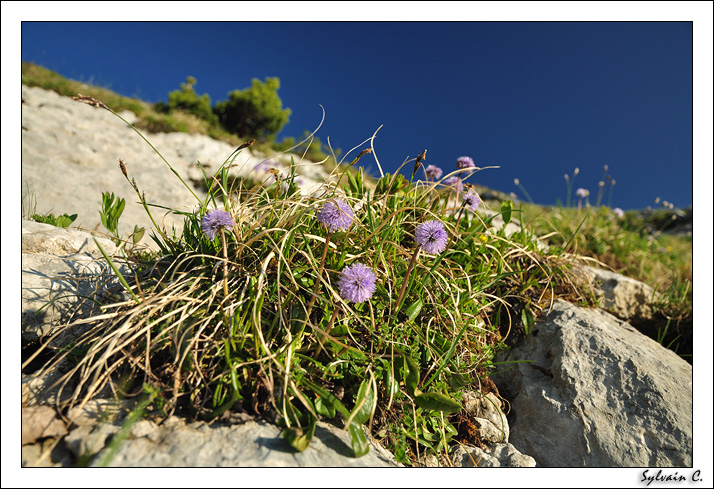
x: 382, y: 184
x: 137, y: 234
x: 327, y: 397
x: 434, y: 401
x: 105, y: 223
x: 414, y: 310
x: 390, y: 382
x: 300, y: 438
x: 411, y: 375
x: 359, y: 440
x: 398, y: 183
x: 121, y: 203
x: 324, y: 408
x: 528, y: 319
x: 65, y: 220
x: 457, y: 381
x: 366, y: 402
x: 506, y: 211
x: 353, y: 186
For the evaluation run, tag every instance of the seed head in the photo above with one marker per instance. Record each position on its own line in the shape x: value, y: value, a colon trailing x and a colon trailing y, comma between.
x: 86, y: 99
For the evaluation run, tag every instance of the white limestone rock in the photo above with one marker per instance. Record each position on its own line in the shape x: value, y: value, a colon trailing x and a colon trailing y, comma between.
x: 500, y: 455
x: 63, y: 272
x: 592, y: 391
x: 622, y: 296
x: 250, y: 444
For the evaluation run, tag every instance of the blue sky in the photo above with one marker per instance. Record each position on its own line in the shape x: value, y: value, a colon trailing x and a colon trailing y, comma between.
x: 536, y: 99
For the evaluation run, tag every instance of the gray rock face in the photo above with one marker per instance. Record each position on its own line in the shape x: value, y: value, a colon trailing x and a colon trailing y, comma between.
x: 490, y: 421
x: 40, y: 422
x: 62, y: 269
x: 499, y: 455
x: 594, y: 392
x: 624, y: 297
x: 250, y: 444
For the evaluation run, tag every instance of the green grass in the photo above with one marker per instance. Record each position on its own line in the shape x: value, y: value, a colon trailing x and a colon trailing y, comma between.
x: 253, y: 320
x: 627, y: 246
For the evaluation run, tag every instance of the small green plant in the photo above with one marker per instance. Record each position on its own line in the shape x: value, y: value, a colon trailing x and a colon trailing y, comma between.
x: 110, y: 213
x: 62, y: 221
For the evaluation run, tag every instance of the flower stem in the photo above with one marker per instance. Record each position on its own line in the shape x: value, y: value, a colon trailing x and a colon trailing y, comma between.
x: 327, y: 331
x: 225, y: 263
x: 319, y: 274
x: 406, y: 278
x: 456, y: 226
x: 458, y: 184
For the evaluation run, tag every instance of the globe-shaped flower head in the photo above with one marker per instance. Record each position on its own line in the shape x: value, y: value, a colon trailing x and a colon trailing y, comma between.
x: 431, y: 236
x: 465, y: 162
x: 472, y: 200
x: 336, y: 215
x: 454, y: 182
x: 214, y: 220
x: 433, y: 172
x: 582, y: 193
x: 357, y: 283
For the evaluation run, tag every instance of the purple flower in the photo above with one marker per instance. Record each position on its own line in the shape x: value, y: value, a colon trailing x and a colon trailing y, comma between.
x: 336, y: 216
x: 472, y: 200
x: 619, y: 212
x: 433, y: 172
x: 454, y: 181
x: 214, y: 220
x: 431, y: 236
x: 465, y: 162
x: 357, y: 283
